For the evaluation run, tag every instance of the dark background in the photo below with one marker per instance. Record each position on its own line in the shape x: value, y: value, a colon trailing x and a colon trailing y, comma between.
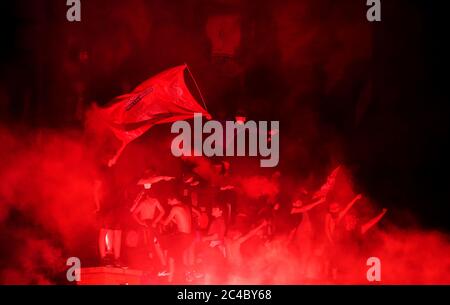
x: 370, y: 95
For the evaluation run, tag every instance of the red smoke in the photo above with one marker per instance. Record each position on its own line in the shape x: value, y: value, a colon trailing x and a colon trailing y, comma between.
x: 46, y: 194
x: 46, y: 176
x: 47, y: 213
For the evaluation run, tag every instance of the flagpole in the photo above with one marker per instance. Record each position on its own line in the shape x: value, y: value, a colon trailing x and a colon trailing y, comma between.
x: 113, y: 160
x: 196, y: 85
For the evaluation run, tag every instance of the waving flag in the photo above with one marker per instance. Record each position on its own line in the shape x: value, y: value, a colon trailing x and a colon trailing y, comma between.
x: 328, y: 185
x: 163, y: 98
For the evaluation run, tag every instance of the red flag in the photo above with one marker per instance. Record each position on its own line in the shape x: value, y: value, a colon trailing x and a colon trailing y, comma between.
x: 328, y: 185
x: 163, y: 98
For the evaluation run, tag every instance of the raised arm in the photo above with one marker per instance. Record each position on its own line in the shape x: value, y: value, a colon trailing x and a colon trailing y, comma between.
x: 369, y: 225
x: 161, y: 178
x: 349, y: 206
x: 308, y: 207
x: 329, y: 228
x: 252, y: 232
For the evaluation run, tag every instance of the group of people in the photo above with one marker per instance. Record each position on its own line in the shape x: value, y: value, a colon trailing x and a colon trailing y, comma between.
x: 197, y: 232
